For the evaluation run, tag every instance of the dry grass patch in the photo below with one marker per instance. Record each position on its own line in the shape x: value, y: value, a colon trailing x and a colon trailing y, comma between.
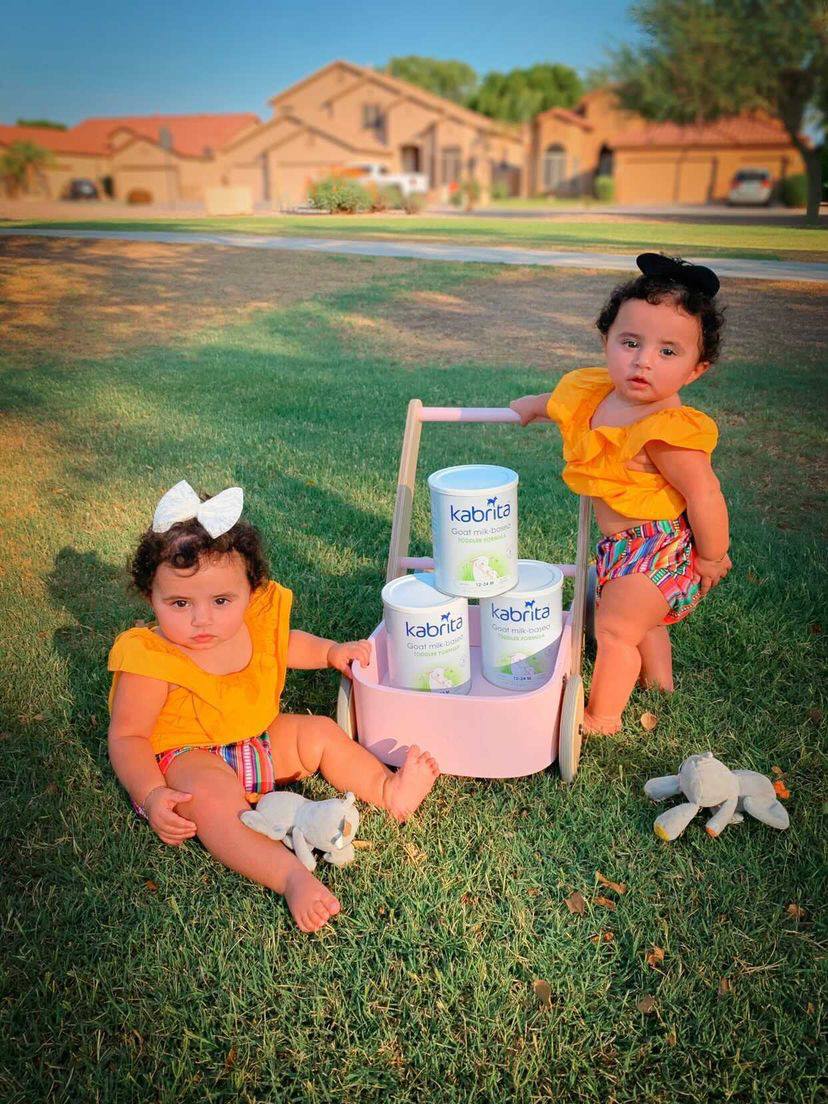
x: 76, y: 298
x: 545, y: 318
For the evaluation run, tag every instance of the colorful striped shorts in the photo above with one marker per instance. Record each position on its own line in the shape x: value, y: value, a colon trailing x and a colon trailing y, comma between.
x: 661, y: 550
x: 250, y: 759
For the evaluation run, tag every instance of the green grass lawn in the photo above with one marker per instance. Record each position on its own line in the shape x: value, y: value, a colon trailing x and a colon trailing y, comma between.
x: 712, y: 240
x: 133, y: 971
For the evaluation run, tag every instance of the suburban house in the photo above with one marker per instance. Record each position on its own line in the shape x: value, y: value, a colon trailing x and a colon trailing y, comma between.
x: 345, y: 117
x: 173, y: 157
x: 651, y: 162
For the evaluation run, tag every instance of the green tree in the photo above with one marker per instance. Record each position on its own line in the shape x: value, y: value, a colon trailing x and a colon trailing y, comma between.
x: 21, y: 162
x: 452, y: 79
x: 520, y: 94
x: 46, y: 124
x: 702, y: 59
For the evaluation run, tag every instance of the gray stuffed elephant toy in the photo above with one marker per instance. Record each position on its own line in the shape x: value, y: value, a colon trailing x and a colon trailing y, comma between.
x: 707, y: 783
x: 302, y: 825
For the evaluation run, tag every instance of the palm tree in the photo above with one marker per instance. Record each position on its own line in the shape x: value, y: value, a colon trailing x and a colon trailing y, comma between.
x: 20, y: 164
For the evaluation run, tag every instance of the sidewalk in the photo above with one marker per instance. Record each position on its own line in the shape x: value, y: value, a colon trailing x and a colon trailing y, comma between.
x: 735, y: 268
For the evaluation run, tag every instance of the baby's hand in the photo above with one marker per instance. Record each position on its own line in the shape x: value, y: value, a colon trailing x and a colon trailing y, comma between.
x: 526, y: 408
x: 164, y: 821
x: 340, y: 656
x: 711, y: 572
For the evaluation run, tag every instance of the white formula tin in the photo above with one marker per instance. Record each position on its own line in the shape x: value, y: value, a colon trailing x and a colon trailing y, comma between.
x: 428, y: 637
x: 519, y: 630
x: 474, y: 523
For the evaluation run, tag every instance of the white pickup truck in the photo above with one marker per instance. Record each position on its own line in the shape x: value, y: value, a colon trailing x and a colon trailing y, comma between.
x: 378, y: 175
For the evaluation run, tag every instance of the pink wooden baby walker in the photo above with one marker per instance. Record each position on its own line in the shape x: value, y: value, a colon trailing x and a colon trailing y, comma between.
x: 489, y: 732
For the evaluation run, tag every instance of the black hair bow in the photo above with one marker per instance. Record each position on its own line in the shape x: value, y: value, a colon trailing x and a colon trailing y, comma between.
x: 693, y: 276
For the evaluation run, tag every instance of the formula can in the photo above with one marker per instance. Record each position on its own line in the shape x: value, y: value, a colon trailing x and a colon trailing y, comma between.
x: 474, y: 523
x: 428, y: 637
x: 519, y: 630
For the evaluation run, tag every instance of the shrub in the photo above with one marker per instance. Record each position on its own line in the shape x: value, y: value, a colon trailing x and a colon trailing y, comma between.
x: 456, y: 198
x: 338, y: 194
x: 471, y: 191
x: 414, y: 203
x: 604, y: 189
x: 387, y: 198
x: 500, y: 190
x: 139, y: 195
x: 794, y: 190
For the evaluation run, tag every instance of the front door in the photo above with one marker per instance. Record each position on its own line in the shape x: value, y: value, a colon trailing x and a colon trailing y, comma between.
x: 410, y: 159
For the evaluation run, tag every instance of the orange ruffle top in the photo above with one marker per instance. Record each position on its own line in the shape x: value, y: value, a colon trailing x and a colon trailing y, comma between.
x: 596, y: 458
x: 203, y: 709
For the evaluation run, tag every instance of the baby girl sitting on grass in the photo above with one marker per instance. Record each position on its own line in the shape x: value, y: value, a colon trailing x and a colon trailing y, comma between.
x: 644, y: 459
x: 196, y: 732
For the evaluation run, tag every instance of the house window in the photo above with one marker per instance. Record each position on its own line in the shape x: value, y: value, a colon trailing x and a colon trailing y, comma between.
x: 451, y: 165
x: 372, y: 117
x: 554, y: 168
x: 605, y: 161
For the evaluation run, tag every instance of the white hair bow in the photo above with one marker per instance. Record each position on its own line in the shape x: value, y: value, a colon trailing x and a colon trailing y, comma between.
x: 180, y: 503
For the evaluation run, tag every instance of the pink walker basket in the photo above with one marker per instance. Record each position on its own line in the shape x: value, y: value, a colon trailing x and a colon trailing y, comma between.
x: 489, y: 732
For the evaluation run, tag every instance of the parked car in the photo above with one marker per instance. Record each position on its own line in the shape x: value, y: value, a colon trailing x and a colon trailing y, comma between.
x: 751, y: 186
x: 82, y: 189
x: 379, y: 176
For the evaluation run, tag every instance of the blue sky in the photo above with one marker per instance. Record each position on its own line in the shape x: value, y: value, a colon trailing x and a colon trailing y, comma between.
x: 71, y: 59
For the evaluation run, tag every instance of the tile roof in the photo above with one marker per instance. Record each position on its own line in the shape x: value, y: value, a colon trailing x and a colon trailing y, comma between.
x: 192, y: 135
x: 566, y: 116
x: 59, y: 141
x: 736, y: 130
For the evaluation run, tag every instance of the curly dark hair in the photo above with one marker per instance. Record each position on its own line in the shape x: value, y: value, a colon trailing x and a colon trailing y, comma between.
x: 186, y: 543
x: 655, y: 289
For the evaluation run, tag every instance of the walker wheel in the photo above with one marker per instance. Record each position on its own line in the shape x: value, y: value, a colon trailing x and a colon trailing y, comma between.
x: 569, y: 729
x: 346, y: 708
x: 589, y: 614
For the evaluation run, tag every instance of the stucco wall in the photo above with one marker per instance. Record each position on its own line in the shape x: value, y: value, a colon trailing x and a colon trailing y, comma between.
x: 54, y: 181
x: 673, y: 175
x: 285, y: 157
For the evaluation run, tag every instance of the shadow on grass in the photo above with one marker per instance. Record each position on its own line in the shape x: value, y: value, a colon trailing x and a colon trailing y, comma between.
x: 95, y: 596
x: 70, y: 299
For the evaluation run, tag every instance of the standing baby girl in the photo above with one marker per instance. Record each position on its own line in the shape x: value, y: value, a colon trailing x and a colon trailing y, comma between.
x: 644, y: 459
x: 196, y: 732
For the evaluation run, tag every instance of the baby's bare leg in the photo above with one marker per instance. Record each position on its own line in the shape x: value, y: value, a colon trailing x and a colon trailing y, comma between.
x: 629, y: 609
x: 656, y: 659
x: 303, y: 745
x: 217, y: 800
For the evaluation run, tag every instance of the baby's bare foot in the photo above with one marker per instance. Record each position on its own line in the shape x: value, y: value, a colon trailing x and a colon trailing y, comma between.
x: 404, y: 791
x: 311, y: 905
x: 600, y: 726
